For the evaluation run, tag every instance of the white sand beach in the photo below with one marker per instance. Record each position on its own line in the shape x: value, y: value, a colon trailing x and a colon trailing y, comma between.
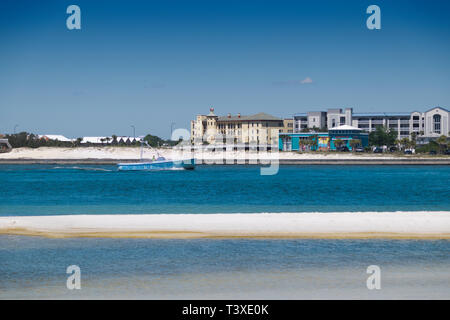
x: 408, y: 225
x: 110, y: 152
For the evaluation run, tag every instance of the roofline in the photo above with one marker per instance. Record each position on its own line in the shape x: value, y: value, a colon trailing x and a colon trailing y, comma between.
x: 229, y: 119
x: 383, y: 113
x: 303, y: 133
x: 438, y: 108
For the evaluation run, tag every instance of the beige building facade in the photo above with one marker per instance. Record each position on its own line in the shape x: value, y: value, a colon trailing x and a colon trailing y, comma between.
x: 260, y: 128
x: 288, y: 126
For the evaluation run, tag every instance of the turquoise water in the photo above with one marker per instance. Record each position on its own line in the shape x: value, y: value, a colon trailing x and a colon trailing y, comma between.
x: 35, y: 267
x: 53, y: 190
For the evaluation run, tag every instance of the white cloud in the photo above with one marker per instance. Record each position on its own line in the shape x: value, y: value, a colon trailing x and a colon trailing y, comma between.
x: 306, y: 80
x: 292, y: 83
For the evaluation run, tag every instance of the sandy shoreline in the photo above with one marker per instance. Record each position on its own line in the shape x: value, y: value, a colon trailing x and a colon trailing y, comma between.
x: 129, y: 153
x: 108, y: 155
x: 342, y: 225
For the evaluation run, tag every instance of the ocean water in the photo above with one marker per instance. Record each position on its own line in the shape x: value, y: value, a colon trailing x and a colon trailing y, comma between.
x: 54, y: 190
x: 35, y: 267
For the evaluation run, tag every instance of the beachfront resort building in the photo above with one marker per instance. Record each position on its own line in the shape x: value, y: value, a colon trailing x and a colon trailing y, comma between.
x: 426, y: 125
x: 323, y: 141
x: 260, y: 128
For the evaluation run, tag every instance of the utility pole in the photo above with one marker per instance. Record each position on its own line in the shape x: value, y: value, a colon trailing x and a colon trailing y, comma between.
x: 134, y: 132
x: 15, y: 128
x: 171, y: 130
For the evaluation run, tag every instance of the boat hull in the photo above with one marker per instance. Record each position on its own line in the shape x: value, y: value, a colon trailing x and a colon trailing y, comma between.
x: 188, y: 164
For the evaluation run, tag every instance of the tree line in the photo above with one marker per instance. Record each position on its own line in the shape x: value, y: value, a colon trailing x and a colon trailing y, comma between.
x: 382, y: 136
x: 30, y: 140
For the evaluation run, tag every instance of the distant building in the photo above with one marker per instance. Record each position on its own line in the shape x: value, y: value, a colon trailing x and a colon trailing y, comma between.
x: 5, y: 146
x: 110, y: 140
x: 323, y: 140
x: 426, y: 125
x: 260, y: 128
x: 55, y: 137
x: 288, y: 126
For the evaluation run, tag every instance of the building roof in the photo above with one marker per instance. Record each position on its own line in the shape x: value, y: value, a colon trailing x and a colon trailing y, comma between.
x: 382, y: 114
x: 54, y: 137
x: 256, y: 117
x: 438, y: 108
x: 6, y: 142
x: 345, y: 127
x: 95, y: 139
x: 309, y: 134
x: 99, y: 139
x: 211, y: 112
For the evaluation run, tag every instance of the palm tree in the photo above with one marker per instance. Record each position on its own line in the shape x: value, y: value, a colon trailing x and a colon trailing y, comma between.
x: 338, y: 143
x: 354, y: 143
x: 308, y: 143
x: 301, y: 143
x: 442, y: 142
x: 405, y: 143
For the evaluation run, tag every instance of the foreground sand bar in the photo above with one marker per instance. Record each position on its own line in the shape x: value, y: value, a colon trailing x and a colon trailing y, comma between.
x: 356, y: 225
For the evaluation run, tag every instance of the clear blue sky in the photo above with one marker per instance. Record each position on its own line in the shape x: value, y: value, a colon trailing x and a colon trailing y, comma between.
x: 150, y: 63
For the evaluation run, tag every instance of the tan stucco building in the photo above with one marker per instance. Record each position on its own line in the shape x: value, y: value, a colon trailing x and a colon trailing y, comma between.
x: 288, y: 126
x: 260, y: 128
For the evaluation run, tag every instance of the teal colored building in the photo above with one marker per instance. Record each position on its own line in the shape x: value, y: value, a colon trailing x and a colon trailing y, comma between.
x: 325, y: 140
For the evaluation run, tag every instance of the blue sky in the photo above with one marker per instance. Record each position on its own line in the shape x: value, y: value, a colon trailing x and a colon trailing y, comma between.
x: 150, y: 63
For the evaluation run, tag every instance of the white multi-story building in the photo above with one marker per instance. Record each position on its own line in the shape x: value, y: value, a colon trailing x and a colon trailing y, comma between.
x: 427, y: 125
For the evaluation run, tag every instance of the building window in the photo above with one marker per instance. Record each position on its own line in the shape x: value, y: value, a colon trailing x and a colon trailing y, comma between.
x: 342, y: 120
x: 437, y: 123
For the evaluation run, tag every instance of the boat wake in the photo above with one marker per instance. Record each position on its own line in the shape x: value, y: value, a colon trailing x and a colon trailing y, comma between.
x: 84, y: 168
